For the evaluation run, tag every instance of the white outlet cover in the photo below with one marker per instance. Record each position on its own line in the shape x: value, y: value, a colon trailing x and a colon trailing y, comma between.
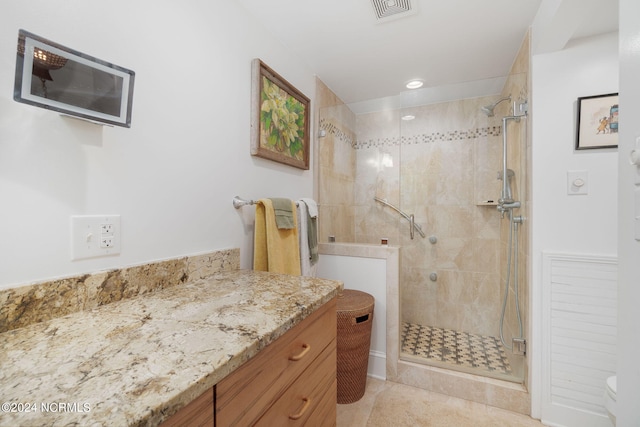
x: 87, y: 232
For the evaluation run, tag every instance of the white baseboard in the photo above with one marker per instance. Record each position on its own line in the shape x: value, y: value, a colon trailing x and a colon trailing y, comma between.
x: 377, y: 365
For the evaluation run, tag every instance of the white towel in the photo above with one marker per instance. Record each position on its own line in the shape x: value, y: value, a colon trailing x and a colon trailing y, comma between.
x: 308, y: 267
x: 312, y: 205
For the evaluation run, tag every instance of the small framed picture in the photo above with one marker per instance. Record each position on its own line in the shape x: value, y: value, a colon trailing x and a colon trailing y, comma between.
x: 597, y: 122
x: 279, y: 118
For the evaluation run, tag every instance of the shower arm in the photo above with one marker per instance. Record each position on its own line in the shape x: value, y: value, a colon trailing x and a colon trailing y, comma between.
x: 409, y: 218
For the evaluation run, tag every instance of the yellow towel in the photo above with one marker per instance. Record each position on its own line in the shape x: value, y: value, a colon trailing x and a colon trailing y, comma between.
x: 275, y: 249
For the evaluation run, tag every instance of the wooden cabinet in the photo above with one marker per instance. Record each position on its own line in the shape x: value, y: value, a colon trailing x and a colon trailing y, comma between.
x: 290, y: 382
x: 198, y: 413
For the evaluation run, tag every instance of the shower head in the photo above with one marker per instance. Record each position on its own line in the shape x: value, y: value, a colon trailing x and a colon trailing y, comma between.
x: 506, y: 187
x: 488, y: 109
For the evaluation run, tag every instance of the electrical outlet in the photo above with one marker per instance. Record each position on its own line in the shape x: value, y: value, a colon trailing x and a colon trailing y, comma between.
x: 106, y: 228
x: 95, y: 236
x: 106, y: 242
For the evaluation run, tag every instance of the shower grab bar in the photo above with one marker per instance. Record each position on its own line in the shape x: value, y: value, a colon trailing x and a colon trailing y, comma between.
x: 412, y: 225
x: 410, y: 218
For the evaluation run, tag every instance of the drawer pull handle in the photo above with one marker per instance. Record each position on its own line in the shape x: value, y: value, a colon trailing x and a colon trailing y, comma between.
x: 306, y: 348
x: 305, y: 406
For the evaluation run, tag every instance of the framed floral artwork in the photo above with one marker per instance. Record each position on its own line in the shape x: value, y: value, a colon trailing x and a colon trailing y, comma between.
x: 597, y: 123
x: 279, y: 118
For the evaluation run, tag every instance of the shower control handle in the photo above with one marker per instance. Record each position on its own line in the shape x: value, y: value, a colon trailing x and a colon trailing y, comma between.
x: 433, y: 277
x: 512, y: 205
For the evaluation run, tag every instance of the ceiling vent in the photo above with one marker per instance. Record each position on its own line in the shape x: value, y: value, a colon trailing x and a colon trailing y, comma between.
x: 387, y: 10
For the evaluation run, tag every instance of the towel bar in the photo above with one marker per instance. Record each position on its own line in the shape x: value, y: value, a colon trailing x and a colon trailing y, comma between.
x: 239, y: 202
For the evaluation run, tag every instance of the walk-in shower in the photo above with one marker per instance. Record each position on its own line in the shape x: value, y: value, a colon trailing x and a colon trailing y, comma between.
x: 453, y: 307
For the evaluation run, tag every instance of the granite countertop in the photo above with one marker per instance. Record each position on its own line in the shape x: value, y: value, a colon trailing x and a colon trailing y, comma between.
x: 137, y: 361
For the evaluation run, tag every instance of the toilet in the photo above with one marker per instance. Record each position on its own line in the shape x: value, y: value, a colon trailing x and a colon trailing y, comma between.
x: 610, y: 398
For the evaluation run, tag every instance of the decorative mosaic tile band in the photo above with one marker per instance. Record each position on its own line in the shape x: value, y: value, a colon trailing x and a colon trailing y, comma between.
x: 455, y: 135
x: 38, y: 302
x: 377, y: 143
x: 336, y: 132
x: 426, y: 138
x: 454, y: 347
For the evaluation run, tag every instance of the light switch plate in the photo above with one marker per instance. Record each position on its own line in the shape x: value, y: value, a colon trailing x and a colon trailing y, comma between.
x: 577, y: 182
x: 636, y: 212
x: 94, y: 236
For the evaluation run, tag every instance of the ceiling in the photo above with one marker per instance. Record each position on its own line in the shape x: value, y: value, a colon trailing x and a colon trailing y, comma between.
x: 440, y: 42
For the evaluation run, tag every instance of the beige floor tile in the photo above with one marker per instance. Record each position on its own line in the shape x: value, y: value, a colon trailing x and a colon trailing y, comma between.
x: 390, y: 404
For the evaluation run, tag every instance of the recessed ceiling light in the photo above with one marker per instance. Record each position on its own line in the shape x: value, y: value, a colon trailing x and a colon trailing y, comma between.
x: 414, y: 84
x: 408, y: 117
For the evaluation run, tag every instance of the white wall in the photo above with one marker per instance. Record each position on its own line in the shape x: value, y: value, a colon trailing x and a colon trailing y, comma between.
x: 172, y: 175
x: 628, y: 248
x: 367, y: 275
x: 573, y: 223
x: 584, y: 224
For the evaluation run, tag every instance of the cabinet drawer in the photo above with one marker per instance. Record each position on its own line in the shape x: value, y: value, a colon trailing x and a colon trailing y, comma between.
x: 248, y: 392
x: 310, y: 399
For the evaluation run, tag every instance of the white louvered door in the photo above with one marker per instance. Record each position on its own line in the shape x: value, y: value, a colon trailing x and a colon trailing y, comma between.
x: 579, y: 337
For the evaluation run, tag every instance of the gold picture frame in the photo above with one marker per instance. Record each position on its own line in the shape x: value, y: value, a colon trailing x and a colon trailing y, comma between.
x: 279, y: 118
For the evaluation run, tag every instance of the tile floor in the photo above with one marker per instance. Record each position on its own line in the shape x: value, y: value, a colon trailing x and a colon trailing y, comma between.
x: 482, y: 353
x: 388, y: 404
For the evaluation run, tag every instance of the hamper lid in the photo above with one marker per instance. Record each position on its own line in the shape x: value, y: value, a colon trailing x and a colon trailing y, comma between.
x: 351, y: 299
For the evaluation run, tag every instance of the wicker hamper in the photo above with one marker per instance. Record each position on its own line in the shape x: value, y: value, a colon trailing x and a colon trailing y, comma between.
x: 355, y: 317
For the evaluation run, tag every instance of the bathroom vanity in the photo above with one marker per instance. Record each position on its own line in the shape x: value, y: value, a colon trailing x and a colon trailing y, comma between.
x: 293, y: 379
x: 259, y: 345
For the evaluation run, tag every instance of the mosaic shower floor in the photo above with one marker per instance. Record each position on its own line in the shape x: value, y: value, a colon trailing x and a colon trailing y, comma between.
x: 468, y: 351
